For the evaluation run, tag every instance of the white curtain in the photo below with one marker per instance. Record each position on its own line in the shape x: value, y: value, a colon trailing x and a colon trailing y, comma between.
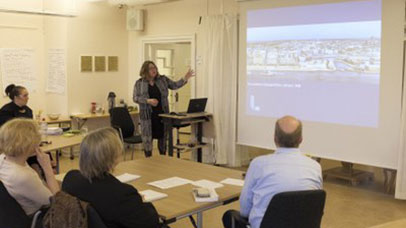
x: 219, y: 35
x: 400, y: 192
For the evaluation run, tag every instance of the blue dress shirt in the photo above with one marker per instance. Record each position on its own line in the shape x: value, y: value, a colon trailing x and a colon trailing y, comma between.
x: 285, y: 170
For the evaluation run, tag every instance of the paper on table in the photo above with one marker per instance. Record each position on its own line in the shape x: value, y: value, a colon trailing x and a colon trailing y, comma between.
x: 151, y: 195
x: 60, y: 177
x: 233, y: 181
x: 170, y: 182
x: 207, y: 184
x: 213, y: 196
x: 126, y: 177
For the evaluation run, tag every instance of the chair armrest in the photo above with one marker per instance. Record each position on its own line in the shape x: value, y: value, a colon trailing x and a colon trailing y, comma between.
x: 38, y: 217
x: 35, y: 218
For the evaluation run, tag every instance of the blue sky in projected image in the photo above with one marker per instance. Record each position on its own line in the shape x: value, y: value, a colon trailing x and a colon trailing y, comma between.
x: 346, y: 30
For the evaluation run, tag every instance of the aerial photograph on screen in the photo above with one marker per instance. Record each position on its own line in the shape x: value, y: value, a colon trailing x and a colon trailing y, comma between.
x: 318, y: 62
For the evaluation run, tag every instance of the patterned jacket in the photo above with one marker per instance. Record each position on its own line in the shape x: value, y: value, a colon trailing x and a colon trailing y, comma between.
x: 141, y: 95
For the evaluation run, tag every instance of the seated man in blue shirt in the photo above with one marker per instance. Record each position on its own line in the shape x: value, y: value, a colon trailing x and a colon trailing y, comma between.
x: 285, y: 170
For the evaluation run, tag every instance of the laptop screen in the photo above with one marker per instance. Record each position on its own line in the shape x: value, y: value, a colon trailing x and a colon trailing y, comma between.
x: 197, y: 105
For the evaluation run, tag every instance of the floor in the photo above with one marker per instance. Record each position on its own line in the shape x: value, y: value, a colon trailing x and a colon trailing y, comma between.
x: 347, y: 206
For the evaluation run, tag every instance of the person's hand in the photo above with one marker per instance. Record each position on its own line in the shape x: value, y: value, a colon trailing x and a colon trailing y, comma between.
x: 189, y: 74
x: 153, y: 102
x: 44, y: 160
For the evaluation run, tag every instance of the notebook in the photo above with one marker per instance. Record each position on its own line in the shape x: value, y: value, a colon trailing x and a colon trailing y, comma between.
x: 127, y: 177
x: 151, y: 195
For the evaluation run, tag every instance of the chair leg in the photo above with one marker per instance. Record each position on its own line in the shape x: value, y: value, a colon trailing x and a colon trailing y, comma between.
x: 124, y: 152
x: 177, y: 136
x: 132, y: 152
x: 192, y: 220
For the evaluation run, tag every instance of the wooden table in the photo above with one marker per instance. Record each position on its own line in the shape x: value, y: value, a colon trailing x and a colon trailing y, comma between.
x: 188, y: 118
x: 393, y: 224
x: 180, y: 202
x: 82, y: 118
x: 59, y: 121
x: 59, y: 142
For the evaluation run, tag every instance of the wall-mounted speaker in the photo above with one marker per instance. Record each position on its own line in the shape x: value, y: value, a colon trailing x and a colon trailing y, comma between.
x: 135, y: 20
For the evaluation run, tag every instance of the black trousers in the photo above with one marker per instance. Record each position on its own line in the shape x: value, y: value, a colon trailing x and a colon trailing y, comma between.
x: 161, y: 147
x: 239, y: 221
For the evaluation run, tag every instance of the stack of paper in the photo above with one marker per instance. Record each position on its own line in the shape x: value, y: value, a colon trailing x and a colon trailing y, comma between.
x: 233, y: 181
x: 54, y: 131
x: 126, y: 177
x: 170, y: 182
x: 213, y: 196
x: 151, y: 195
x: 207, y: 184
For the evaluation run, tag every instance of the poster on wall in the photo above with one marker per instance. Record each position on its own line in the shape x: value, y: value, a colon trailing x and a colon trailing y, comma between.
x: 56, y: 82
x: 100, y: 63
x: 113, y: 63
x: 86, y: 63
x: 17, y: 66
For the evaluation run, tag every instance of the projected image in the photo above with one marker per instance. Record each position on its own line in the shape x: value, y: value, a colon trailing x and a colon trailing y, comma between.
x: 320, y: 63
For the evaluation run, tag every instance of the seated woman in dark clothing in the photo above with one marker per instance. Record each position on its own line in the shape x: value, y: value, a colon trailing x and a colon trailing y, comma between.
x: 118, y: 204
x: 18, y: 108
x: 18, y: 105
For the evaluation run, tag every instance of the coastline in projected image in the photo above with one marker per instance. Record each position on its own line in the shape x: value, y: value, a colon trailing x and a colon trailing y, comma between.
x: 304, y: 71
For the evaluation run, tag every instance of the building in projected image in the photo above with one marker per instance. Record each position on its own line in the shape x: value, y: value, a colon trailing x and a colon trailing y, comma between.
x: 350, y: 55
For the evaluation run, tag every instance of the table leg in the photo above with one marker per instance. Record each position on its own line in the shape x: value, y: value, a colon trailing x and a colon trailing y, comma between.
x: 389, y: 180
x: 199, y: 140
x: 80, y: 122
x: 170, y: 138
x: 200, y: 219
x: 71, y: 154
x: 57, y: 161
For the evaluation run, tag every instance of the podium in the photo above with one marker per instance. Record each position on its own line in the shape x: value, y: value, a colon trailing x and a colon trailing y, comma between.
x: 188, y: 118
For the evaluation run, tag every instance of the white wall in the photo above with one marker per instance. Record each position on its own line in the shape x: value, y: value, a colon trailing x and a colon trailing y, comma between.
x: 99, y: 29
x: 22, y: 31
x: 173, y: 19
x: 176, y: 19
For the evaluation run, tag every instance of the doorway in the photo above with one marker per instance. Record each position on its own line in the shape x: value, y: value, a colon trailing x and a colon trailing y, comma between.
x: 174, y: 56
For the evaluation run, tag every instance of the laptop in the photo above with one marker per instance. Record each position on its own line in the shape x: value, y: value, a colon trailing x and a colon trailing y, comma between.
x: 195, y: 106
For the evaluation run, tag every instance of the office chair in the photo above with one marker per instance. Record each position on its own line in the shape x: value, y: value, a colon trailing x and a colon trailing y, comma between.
x: 121, y: 120
x: 11, y: 213
x: 302, y: 209
x: 93, y: 218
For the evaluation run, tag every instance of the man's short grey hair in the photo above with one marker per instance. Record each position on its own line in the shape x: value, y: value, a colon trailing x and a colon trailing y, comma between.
x: 99, y: 153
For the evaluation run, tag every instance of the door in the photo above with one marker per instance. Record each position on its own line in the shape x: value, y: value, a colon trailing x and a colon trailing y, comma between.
x: 173, y: 60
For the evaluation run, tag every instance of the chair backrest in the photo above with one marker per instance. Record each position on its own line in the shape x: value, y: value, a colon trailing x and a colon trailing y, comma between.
x: 93, y: 218
x: 302, y: 209
x: 121, y: 118
x: 11, y: 213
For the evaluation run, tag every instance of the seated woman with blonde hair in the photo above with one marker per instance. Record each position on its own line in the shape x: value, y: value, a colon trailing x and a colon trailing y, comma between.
x: 118, y: 204
x: 20, y: 139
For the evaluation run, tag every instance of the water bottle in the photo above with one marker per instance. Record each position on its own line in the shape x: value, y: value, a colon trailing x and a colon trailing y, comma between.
x: 43, y: 130
x: 111, y: 100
